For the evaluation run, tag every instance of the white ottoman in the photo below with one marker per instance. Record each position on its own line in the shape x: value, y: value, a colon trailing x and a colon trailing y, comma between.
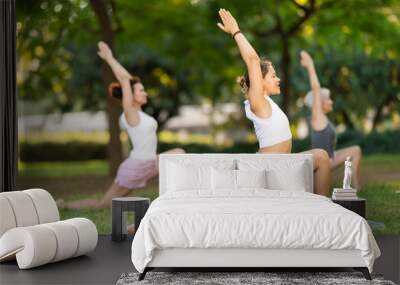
x: 31, y: 232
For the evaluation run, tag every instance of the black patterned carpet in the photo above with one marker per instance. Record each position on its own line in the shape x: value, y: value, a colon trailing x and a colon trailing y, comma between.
x: 242, y: 278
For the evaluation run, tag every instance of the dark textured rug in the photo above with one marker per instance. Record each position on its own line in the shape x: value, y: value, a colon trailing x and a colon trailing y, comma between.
x: 275, y: 278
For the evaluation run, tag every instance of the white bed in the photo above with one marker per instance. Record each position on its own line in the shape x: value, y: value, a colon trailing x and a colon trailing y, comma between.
x: 247, y: 210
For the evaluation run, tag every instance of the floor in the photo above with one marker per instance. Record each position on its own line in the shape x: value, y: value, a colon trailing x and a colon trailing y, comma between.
x: 103, y: 266
x: 111, y: 259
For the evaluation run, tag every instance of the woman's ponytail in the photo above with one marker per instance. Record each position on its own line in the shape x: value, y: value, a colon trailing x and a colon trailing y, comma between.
x: 115, y: 89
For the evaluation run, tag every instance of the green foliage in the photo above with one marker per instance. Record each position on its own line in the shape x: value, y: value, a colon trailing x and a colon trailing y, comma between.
x: 48, y: 34
x: 300, y: 145
x: 356, y: 53
x: 372, y: 143
x: 167, y: 87
x: 359, y: 84
x: 69, y: 151
x: 203, y: 148
x: 387, y: 142
x: 348, y: 138
x: 66, y: 74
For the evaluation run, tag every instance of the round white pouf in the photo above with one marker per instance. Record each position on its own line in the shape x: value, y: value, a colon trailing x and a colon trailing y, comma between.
x: 31, y: 232
x: 46, y: 207
x: 67, y: 240
x: 6, y: 215
x: 33, y: 246
x: 23, y: 208
x: 87, y: 234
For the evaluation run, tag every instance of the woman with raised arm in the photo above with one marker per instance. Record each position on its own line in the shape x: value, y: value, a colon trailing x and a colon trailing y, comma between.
x: 142, y: 163
x: 271, y: 124
x: 323, y: 134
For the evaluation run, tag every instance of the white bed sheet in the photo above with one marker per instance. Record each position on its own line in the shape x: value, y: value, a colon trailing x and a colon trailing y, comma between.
x: 253, y: 218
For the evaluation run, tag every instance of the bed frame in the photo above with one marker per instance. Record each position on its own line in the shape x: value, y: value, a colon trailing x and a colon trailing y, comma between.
x: 246, y: 257
x: 259, y: 258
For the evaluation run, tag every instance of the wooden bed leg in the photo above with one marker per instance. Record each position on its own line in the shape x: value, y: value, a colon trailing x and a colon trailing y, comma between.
x: 364, y: 271
x: 143, y: 274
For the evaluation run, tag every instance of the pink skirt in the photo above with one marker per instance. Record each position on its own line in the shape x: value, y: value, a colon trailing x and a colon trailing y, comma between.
x: 134, y: 173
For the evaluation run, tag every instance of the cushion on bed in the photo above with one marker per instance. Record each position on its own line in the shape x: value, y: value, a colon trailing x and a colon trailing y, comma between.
x: 223, y: 179
x: 194, y: 172
x: 228, y: 180
x: 293, y: 180
x: 251, y: 179
x: 184, y: 178
x: 287, y: 175
x: 187, y: 174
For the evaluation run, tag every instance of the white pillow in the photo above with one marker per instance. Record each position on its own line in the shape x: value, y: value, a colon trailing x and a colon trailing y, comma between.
x: 230, y: 180
x: 189, y: 173
x: 223, y: 179
x: 281, y: 174
x: 185, y: 178
x: 251, y: 178
x: 293, y: 180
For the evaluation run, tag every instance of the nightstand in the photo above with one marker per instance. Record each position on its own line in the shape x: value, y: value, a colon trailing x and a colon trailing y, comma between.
x: 357, y: 205
x: 120, y: 207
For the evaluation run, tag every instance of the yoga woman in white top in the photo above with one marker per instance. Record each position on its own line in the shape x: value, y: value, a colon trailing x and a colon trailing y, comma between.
x: 270, y: 123
x: 142, y: 163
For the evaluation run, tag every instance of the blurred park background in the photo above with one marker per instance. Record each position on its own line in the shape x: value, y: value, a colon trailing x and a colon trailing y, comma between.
x: 69, y: 139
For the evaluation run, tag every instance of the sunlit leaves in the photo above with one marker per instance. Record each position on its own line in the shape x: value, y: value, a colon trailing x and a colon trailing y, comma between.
x: 182, y: 57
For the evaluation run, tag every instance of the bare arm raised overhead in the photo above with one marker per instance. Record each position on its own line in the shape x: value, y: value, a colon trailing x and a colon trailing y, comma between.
x: 318, y: 118
x: 123, y: 76
x: 106, y: 54
x: 258, y: 104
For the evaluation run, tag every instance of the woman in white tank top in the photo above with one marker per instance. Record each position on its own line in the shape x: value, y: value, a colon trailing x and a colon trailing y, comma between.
x: 271, y: 124
x: 142, y: 163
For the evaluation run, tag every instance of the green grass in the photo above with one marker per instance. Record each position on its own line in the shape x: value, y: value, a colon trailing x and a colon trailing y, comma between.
x: 387, y: 158
x: 383, y: 205
x: 385, y: 162
x: 101, y: 217
x: 68, y: 168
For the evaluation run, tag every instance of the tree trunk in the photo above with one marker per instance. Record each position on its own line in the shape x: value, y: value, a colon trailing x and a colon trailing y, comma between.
x: 347, y: 121
x: 377, y: 118
x: 285, y: 64
x: 379, y: 113
x: 113, y: 110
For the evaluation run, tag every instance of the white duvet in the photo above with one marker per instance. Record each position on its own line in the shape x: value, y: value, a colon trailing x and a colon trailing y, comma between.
x: 250, y: 219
